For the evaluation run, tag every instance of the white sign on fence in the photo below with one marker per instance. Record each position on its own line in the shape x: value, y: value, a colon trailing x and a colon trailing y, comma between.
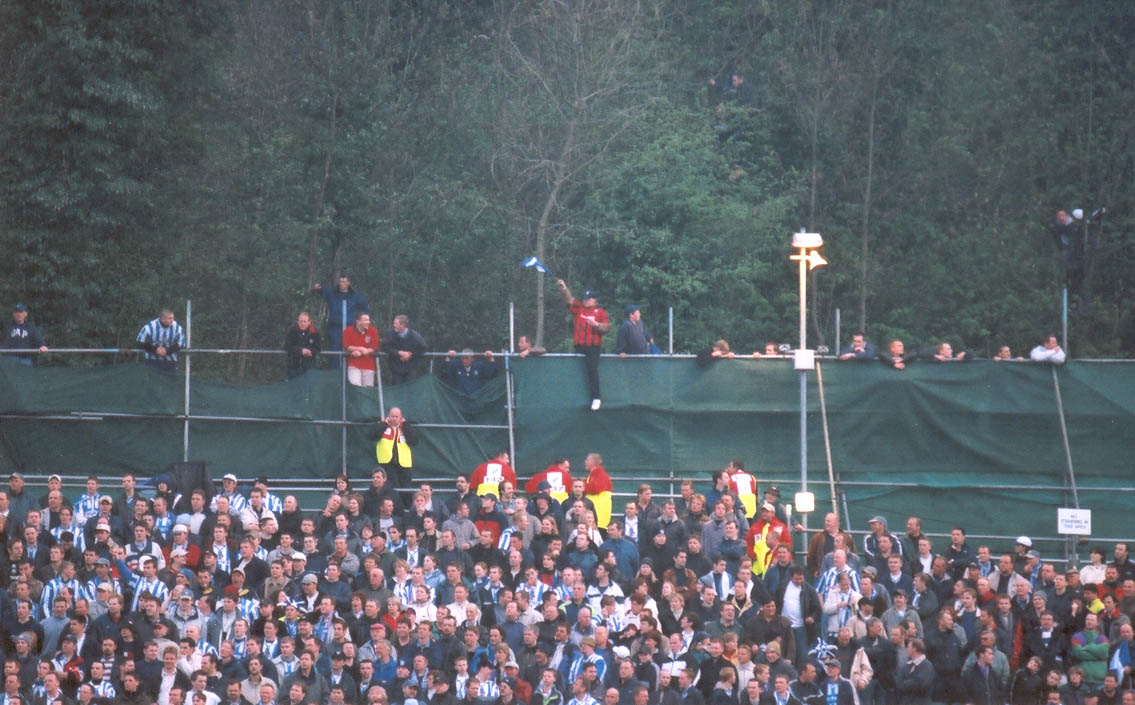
x: 1077, y: 522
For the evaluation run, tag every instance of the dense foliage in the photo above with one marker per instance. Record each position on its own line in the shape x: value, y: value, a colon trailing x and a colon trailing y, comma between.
x: 236, y: 153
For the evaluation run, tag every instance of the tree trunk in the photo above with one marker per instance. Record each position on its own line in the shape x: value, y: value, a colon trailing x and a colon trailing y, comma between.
x: 558, y: 180
x: 865, y: 241
x: 321, y: 195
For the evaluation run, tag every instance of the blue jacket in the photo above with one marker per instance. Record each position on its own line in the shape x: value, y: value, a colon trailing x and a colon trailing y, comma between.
x: 626, y: 556
x: 846, y: 693
x: 868, y: 352
x: 335, y: 299
x: 468, y: 379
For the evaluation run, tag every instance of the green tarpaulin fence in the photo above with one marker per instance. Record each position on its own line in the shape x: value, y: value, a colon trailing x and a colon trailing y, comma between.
x: 953, y: 430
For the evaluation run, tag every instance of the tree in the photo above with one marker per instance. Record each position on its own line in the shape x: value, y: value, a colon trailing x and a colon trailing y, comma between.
x: 96, y: 137
x: 575, y: 76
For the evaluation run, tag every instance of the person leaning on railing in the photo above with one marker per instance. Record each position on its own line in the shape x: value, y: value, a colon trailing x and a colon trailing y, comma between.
x: 21, y: 335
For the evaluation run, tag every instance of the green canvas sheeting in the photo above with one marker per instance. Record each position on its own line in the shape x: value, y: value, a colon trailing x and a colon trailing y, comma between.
x: 952, y: 430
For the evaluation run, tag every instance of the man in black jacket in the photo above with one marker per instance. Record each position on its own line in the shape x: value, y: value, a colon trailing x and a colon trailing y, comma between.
x: 882, y: 655
x: 403, y: 347
x: 980, y: 682
x: 302, y: 343
x: 916, y: 678
x: 946, y: 649
x: 800, y: 604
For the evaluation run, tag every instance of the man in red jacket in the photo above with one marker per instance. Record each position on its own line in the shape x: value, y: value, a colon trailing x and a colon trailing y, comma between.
x: 489, y: 474
x: 761, y: 528
x: 589, y: 324
x: 557, y: 475
x: 360, y: 342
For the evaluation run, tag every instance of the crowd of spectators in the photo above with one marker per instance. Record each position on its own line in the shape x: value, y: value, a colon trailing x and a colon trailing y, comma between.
x: 236, y: 596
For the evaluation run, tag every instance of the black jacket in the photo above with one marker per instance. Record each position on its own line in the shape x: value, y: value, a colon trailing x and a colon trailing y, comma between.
x: 295, y: 341
x: 915, y: 683
x: 810, y: 606
x: 945, y: 650
x: 982, y: 689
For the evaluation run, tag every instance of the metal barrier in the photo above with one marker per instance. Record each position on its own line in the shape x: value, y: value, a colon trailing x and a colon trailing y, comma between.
x: 308, y: 489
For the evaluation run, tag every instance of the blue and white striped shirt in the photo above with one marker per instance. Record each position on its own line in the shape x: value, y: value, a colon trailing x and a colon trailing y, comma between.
x: 55, y: 588
x: 615, y: 623
x: 204, y: 646
x: 270, y: 649
x: 86, y: 506
x: 163, y: 525
x: 249, y: 609
x: 273, y: 503
x: 159, y: 336
x: 489, y: 690
x: 224, y: 561
x: 830, y: 579
x: 505, y: 542
x: 155, y: 587
x: 286, y: 668
x: 535, y: 592
x: 237, y: 502
x: 240, y: 649
x: 79, y: 537
x: 581, y: 661
x: 92, y: 586
x: 404, y: 592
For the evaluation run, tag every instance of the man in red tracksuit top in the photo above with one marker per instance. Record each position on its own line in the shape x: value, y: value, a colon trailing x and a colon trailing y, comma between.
x: 360, y: 342
x: 590, y: 323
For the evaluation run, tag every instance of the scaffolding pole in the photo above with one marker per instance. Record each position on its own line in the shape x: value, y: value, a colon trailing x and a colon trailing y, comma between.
x: 827, y: 436
x: 1070, y: 554
x: 508, y: 408
x: 343, y: 400
x: 188, y: 368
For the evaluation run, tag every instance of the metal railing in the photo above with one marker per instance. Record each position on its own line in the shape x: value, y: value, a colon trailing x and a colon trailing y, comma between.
x: 309, y: 489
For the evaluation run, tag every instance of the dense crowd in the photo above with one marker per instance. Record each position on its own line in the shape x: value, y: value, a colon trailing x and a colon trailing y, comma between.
x: 541, y: 594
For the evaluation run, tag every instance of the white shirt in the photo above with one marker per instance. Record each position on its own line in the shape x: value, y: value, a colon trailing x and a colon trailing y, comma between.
x: 1043, y: 354
x: 166, y: 686
x: 792, y: 605
x: 211, y: 698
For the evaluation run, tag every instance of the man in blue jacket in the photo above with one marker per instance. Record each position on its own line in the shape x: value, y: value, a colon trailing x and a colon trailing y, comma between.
x: 858, y: 349
x: 21, y: 335
x: 835, y: 684
x: 336, y: 296
x: 467, y: 374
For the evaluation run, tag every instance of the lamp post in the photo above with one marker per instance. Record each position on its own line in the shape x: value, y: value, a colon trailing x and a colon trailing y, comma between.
x: 807, y: 246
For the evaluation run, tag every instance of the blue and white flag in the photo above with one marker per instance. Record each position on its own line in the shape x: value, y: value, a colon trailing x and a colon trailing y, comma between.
x: 537, y: 265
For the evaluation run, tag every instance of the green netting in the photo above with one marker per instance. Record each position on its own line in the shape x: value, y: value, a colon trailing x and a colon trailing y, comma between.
x: 283, y: 446
x: 951, y: 430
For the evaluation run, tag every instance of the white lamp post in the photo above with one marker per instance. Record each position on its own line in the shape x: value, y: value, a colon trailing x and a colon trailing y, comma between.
x: 807, y: 246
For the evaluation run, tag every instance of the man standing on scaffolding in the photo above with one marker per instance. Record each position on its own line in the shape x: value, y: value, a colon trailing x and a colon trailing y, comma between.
x: 336, y: 297
x: 589, y: 324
